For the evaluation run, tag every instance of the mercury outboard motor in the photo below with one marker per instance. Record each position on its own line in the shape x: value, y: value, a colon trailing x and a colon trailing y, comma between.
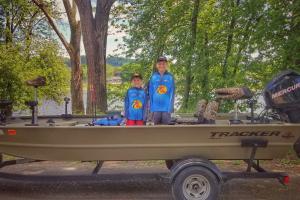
x: 282, y: 94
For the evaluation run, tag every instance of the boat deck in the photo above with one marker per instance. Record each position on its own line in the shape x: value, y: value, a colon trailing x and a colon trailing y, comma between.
x: 43, y: 121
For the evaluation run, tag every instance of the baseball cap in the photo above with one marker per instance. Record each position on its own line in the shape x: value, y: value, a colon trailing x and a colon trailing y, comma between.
x: 136, y: 75
x: 162, y: 58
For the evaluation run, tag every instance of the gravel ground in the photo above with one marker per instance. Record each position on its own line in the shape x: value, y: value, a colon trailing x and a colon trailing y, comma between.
x: 129, y: 181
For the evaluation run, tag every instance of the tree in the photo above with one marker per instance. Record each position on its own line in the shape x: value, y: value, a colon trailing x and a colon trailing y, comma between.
x: 237, y: 43
x: 20, y: 21
x: 94, y: 32
x: 193, y: 39
x: 229, y: 43
x: 26, y: 51
x: 15, y: 69
x: 72, y: 47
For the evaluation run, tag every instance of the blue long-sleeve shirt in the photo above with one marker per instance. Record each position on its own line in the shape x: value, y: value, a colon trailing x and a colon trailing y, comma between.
x: 135, y: 104
x: 161, y: 90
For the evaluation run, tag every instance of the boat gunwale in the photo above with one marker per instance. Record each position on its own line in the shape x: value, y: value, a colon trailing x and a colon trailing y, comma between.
x: 158, y: 126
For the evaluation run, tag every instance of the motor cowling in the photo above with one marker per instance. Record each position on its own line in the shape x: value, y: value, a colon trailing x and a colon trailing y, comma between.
x: 282, y: 94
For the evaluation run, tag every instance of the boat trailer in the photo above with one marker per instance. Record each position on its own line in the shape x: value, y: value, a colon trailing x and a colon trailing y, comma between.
x: 190, y: 177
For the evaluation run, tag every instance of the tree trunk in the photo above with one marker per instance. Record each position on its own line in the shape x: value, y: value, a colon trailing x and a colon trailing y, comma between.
x: 188, y: 81
x: 94, y: 32
x: 204, y: 85
x: 73, y: 49
x: 229, y: 40
x: 8, y: 33
x: 76, y: 70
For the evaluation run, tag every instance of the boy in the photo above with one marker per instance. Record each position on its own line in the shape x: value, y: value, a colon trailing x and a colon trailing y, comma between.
x: 161, y: 93
x: 135, y: 102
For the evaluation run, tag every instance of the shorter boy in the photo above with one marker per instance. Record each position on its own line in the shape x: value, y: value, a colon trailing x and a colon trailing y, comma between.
x: 135, y: 102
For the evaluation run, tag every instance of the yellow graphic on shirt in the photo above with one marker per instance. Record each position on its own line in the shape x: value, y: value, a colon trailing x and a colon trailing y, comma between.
x: 137, y: 104
x: 162, y: 89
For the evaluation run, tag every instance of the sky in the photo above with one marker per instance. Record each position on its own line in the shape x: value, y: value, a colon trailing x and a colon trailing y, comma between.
x: 113, y: 40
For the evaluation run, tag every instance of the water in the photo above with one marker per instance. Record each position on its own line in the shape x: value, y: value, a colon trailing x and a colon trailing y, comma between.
x: 50, y: 107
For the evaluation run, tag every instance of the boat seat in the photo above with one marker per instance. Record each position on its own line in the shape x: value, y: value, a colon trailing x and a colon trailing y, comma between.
x: 31, y: 104
x: 234, y: 93
x: 37, y: 82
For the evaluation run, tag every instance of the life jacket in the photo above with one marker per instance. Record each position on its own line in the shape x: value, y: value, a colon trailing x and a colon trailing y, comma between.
x: 109, y: 121
x: 161, y: 92
x: 135, y: 104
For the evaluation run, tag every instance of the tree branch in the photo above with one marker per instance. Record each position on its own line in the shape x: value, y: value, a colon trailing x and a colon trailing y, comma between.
x: 71, y: 13
x: 40, y: 4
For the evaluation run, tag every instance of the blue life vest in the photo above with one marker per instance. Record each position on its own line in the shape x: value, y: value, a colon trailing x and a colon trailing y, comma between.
x: 161, y: 92
x: 135, y: 104
x: 108, y: 121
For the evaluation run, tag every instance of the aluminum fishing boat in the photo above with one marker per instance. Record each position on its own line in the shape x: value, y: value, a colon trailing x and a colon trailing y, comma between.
x: 69, y: 140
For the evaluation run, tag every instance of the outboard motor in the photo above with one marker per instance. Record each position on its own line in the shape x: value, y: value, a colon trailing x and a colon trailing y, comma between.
x: 282, y: 94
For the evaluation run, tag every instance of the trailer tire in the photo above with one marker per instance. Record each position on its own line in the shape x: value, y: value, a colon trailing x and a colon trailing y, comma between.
x: 195, y: 183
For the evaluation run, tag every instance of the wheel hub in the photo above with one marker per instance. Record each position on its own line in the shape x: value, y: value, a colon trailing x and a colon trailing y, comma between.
x: 196, y: 187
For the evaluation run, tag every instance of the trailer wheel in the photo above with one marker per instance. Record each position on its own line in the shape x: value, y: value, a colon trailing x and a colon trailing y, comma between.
x: 195, y: 183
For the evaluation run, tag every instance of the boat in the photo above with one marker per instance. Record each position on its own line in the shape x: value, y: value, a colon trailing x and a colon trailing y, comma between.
x: 188, y: 148
x: 70, y: 140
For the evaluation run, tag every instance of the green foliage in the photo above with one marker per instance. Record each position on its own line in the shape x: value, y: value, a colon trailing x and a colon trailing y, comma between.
x: 47, y: 62
x: 238, y: 43
x: 131, y: 68
x: 20, y: 20
x: 111, y: 70
x: 16, y: 68
x: 116, y: 94
x: 11, y: 80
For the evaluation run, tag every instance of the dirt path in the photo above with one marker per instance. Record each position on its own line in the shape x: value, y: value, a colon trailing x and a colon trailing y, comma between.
x: 132, y: 181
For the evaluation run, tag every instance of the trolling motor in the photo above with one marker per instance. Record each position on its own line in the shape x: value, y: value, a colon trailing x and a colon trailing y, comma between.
x: 37, y: 82
x: 4, y: 106
x: 66, y: 115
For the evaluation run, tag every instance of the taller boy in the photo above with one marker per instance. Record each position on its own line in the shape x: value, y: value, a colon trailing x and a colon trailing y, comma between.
x: 161, y: 93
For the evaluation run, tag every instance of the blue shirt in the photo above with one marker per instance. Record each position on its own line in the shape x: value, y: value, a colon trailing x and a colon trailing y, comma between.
x: 135, y: 104
x: 161, y: 92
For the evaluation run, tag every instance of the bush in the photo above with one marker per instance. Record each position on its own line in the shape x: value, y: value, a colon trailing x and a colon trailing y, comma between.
x: 17, y: 66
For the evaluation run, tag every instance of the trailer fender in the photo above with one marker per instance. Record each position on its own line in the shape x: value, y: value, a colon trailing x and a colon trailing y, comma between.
x: 180, y: 165
x: 297, y: 147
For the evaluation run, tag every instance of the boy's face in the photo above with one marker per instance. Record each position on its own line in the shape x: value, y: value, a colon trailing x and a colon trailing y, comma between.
x: 136, y: 82
x: 162, y: 66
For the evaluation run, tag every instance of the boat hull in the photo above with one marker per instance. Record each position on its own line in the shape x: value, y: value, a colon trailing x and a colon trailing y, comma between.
x: 146, y: 142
